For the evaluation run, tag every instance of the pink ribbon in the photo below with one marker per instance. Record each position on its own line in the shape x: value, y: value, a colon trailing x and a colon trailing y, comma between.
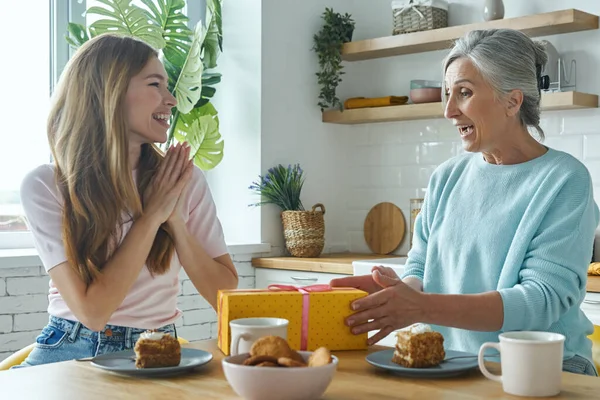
x: 305, y: 290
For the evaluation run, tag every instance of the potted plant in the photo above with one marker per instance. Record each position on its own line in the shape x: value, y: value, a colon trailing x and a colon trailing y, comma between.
x: 304, y: 231
x: 328, y: 42
x: 188, y: 57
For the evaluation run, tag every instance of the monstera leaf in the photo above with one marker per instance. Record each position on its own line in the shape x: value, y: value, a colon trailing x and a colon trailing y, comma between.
x: 188, y: 87
x: 210, y: 78
x: 214, y: 36
x: 77, y: 35
x: 200, y: 129
x: 214, y: 7
x: 126, y: 19
x: 168, y: 15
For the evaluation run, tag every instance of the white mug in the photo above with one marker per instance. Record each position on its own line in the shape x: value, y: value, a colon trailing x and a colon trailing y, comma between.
x: 531, y: 362
x: 245, y: 331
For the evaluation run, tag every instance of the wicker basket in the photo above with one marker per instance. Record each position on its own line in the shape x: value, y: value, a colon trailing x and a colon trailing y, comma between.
x: 304, y: 231
x: 419, y: 15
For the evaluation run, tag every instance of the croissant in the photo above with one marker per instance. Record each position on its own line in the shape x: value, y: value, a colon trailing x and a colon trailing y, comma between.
x: 594, y: 268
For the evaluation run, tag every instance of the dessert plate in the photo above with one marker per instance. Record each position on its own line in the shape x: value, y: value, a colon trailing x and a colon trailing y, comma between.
x: 458, y: 363
x: 123, y: 362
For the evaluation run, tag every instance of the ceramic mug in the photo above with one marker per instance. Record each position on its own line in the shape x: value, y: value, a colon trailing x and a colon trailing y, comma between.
x: 531, y: 362
x: 245, y: 331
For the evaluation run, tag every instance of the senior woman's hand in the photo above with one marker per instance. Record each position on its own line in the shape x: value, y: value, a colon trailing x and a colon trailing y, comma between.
x: 364, y: 282
x: 391, y: 304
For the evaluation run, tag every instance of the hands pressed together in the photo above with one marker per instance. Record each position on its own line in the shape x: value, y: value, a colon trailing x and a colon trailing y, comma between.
x: 390, y: 305
x: 163, y: 198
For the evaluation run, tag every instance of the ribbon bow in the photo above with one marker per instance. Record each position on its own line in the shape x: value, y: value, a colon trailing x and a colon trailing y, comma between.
x: 412, y: 4
x: 301, y: 289
x: 305, y: 290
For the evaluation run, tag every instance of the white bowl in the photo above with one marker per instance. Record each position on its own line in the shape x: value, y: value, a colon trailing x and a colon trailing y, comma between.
x: 277, y: 383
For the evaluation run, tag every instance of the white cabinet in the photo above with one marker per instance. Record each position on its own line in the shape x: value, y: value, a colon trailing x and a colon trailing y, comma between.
x: 269, y: 276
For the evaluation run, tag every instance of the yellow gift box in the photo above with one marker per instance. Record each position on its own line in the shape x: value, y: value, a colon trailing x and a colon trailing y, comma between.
x: 316, y: 314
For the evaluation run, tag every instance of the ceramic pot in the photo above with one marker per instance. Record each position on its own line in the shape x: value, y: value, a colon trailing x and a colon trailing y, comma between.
x: 493, y: 9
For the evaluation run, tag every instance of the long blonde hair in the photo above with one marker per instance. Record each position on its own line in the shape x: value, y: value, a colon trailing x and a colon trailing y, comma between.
x: 88, y: 136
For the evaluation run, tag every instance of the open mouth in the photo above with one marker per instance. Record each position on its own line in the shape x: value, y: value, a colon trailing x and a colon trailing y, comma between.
x: 466, y: 130
x: 162, y: 119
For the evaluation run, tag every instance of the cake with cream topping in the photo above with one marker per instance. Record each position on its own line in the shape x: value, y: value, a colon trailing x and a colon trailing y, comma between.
x: 418, y: 346
x: 156, y: 349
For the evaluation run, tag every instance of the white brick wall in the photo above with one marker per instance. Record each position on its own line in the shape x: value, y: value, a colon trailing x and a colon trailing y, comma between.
x: 31, y: 285
x: 6, y: 323
x: 30, y: 322
x: 23, y: 304
x: 394, y: 161
x: 17, y: 272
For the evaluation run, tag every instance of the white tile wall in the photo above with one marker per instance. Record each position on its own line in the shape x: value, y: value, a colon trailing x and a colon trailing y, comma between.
x: 23, y: 305
x: 396, y: 161
x: 351, y: 168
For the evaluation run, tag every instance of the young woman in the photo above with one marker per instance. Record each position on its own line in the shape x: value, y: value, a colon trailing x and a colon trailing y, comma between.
x: 114, y: 219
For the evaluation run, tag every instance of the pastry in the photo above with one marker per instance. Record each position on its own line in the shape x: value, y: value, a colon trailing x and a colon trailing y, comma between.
x: 418, y: 346
x: 274, y: 351
x: 255, y: 360
x: 288, y: 362
x: 319, y: 357
x: 156, y: 349
x: 594, y: 268
x: 271, y: 346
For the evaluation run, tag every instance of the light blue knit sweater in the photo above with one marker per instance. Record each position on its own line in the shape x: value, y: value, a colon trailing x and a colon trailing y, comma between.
x: 525, y: 230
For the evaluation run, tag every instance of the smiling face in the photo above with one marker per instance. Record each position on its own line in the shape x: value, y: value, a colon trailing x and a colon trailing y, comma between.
x: 148, y: 104
x: 482, y: 118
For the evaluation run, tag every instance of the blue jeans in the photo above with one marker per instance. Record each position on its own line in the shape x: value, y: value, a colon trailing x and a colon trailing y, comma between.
x: 63, y: 340
x: 579, y: 365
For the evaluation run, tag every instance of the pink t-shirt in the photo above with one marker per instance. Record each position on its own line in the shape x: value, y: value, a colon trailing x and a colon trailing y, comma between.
x: 151, y: 301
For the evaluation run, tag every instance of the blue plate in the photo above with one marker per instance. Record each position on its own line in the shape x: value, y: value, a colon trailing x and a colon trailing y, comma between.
x: 123, y: 362
x: 383, y: 359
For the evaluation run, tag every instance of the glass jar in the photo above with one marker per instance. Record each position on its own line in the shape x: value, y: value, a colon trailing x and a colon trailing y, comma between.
x: 415, y: 209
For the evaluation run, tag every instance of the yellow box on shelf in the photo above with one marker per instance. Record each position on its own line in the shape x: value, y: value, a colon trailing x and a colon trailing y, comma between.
x: 316, y: 314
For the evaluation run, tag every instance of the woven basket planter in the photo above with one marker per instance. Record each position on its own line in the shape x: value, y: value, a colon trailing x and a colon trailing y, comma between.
x: 416, y: 16
x: 304, y: 231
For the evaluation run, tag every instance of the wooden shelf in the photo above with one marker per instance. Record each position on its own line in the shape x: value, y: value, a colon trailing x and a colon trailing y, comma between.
x: 336, y: 263
x: 550, y: 102
x: 552, y: 23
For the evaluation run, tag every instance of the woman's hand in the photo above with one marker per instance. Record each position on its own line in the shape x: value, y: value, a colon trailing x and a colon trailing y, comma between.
x: 180, y: 212
x: 390, y: 305
x: 365, y: 282
x: 166, y: 187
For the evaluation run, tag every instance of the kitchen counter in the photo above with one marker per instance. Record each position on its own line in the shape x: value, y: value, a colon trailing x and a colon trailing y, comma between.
x: 593, y: 284
x: 341, y: 263
x: 334, y: 263
x: 355, y: 379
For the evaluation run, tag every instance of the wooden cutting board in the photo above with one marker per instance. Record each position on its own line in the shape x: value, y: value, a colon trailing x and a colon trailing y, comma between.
x: 384, y: 228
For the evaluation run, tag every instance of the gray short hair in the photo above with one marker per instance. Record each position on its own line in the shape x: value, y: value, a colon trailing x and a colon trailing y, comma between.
x: 508, y: 60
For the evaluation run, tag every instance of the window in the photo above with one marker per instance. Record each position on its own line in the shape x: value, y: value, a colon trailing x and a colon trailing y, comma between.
x: 26, y: 84
x: 30, y: 77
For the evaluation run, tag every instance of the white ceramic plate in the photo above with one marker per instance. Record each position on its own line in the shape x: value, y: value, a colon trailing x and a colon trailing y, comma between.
x: 123, y: 362
x: 383, y: 359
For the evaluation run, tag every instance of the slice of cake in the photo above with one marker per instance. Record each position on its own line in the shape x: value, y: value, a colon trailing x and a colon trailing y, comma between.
x: 156, y: 349
x: 418, y: 346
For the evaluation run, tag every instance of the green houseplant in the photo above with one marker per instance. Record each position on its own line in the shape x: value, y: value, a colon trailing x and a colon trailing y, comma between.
x: 327, y: 43
x: 303, y: 231
x: 188, y: 57
x: 280, y: 186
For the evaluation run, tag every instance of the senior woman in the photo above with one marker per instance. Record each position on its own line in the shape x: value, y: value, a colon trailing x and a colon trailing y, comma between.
x: 505, y: 235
